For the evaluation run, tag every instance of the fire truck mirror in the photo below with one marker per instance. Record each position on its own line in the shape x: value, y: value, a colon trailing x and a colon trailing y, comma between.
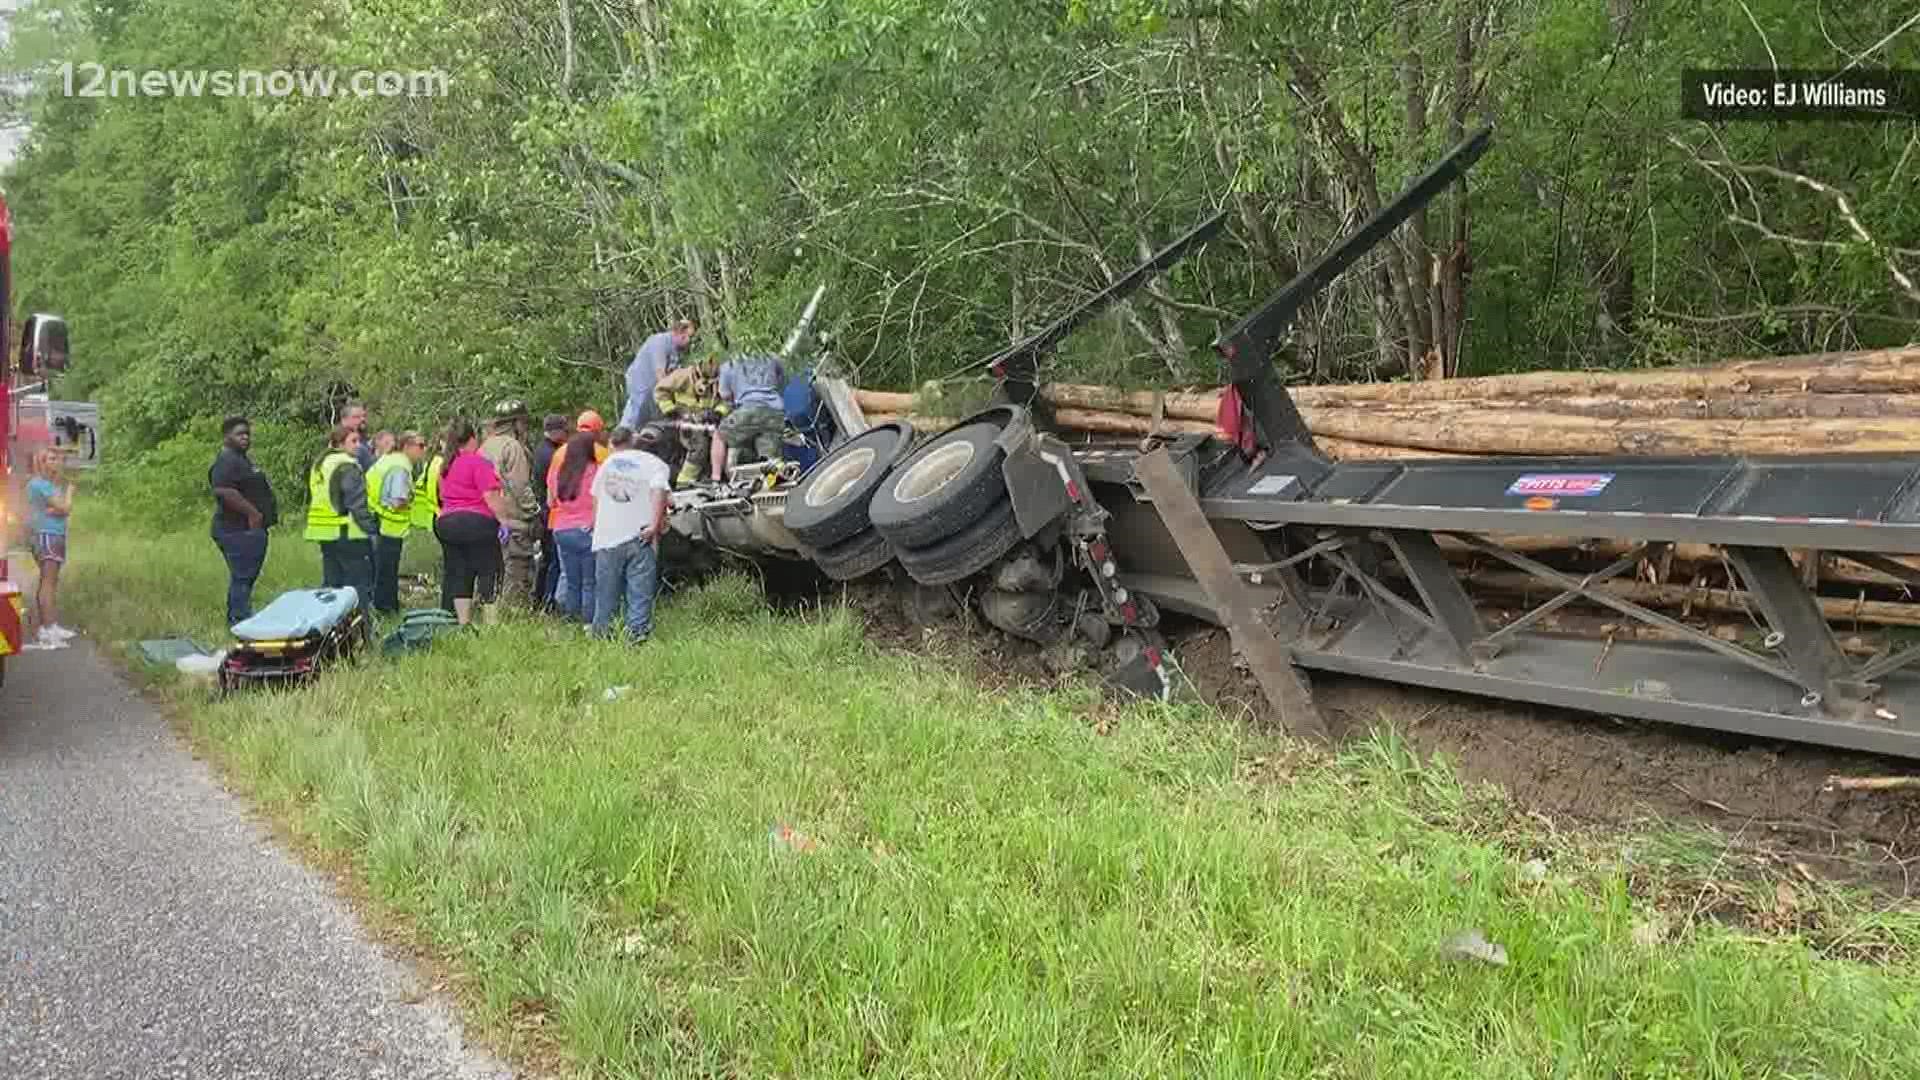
x: 49, y: 344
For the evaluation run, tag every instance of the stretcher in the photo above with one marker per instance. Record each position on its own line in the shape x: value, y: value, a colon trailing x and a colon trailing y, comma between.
x: 295, y: 637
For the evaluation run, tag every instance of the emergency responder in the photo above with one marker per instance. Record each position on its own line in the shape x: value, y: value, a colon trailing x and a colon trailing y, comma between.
x: 656, y: 356
x: 426, y: 490
x: 690, y: 394
x: 506, y: 448
x: 390, y: 493
x: 339, y: 517
x: 753, y: 385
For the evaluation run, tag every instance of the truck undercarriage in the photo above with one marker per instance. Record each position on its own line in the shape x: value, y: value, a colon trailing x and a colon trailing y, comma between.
x: 1340, y: 567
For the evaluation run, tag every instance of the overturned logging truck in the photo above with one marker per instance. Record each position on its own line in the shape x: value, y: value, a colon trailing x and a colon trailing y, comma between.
x: 1342, y: 567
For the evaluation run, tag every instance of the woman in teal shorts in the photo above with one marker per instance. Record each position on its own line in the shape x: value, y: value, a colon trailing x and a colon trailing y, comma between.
x: 49, y: 502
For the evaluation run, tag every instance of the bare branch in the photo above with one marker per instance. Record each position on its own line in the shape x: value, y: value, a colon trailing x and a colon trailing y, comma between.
x: 1904, y: 280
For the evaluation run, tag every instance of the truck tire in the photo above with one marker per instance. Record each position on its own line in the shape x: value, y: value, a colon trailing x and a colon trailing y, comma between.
x: 944, y: 487
x: 966, y: 552
x: 856, y: 557
x: 829, y: 505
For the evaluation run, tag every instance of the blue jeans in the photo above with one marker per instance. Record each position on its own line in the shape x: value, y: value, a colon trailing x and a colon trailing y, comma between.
x: 631, y: 566
x: 246, y: 552
x: 577, y: 596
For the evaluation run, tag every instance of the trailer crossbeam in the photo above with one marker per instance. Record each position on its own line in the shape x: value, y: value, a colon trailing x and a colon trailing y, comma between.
x: 1632, y: 610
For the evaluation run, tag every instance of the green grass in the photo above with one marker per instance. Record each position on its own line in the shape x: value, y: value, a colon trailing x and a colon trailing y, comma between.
x: 1015, y: 885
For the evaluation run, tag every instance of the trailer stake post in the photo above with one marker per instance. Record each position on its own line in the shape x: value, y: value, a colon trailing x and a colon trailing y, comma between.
x: 1285, y: 688
x: 1439, y: 588
x: 1807, y: 641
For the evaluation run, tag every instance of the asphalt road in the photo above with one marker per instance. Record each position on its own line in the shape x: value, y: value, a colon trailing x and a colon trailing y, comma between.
x: 150, y: 928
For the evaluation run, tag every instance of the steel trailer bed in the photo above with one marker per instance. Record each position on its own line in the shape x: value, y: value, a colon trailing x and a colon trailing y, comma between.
x: 1347, y: 558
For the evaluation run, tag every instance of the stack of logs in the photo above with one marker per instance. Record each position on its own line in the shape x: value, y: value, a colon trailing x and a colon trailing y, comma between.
x: 1846, y: 403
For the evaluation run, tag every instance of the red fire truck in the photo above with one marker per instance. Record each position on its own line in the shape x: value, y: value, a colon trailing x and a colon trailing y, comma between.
x: 43, y: 351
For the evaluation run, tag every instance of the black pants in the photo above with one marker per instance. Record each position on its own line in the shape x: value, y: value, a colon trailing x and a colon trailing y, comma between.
x: 246, y: 552
x: 349, y: 563
x: 548, y: 589
x: 472, y: 545
x: 386, y: 573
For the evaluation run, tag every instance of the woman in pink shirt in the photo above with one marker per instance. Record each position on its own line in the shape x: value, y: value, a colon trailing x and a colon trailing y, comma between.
x: 468, y: 528
x: 570, y: 516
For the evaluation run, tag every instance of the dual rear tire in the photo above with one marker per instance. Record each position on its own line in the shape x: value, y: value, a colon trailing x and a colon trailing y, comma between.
x: 827, y: 510
x: 942, y: 510
x: 945, y: 510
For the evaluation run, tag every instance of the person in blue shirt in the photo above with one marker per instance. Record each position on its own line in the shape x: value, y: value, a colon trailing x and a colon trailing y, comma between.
x: 49, y: 501
x: 658, y: 355
x: 751, y: 386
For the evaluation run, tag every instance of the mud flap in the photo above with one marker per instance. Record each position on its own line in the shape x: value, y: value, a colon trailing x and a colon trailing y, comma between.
x: 1136, y: 665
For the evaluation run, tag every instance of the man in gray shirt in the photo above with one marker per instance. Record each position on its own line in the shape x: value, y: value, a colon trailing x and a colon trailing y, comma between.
x: 752, y: 384
x: 658, y: 355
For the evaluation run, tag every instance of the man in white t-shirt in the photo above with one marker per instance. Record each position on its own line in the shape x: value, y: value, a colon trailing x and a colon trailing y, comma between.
x: 629, y: 511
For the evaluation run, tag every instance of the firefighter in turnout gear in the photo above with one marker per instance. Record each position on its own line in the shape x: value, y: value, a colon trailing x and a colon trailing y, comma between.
x: 691, y: 393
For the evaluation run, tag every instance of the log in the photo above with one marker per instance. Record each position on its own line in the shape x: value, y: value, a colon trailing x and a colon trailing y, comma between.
x: 1871, y: 783
x: 884, y: 401
x: 1731, y: 407
x: 1876, y: 612
x: 1874, y: 372
x: 1894, y: 371
x: 1090, y: 422
x: 1722, y: 630
x: 1533, y: 433
x: 1687, y: 558
x: 1120, y: 424
x: 1180, y: 404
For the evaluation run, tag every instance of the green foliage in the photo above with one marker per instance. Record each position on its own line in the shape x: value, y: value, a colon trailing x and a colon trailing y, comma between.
x: 167, y: 482
x: 956, y: 175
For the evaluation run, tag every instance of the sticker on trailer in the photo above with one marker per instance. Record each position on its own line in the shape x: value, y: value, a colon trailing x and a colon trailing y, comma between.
x: 1271, y: 485
x: 1559, y: 485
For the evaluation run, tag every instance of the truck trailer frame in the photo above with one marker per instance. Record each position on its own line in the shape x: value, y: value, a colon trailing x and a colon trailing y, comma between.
x: 1344, y: 561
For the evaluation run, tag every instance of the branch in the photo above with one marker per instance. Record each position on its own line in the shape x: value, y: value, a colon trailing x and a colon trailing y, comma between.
x: 1785, y: 309
x: 614, y: 168
x: 1900, y: 277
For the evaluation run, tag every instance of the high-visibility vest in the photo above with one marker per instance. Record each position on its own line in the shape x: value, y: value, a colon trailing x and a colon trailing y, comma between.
x: 323, y: 521
x: 393, y: 523
x: 426, y: 494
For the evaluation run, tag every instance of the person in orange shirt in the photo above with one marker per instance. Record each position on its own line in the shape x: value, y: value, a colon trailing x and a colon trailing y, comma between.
x: 570, y: 517
x: 589, y: 423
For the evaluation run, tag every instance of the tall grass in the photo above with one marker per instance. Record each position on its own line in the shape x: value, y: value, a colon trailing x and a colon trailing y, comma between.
x: 988, y: 885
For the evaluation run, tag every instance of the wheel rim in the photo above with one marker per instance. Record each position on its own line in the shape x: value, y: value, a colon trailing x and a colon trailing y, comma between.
x: 933, y: 472
x: 839, y: 476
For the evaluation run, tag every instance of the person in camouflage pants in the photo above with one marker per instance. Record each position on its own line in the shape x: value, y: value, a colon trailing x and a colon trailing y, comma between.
x: 506, y: 447
x: 752, y: 385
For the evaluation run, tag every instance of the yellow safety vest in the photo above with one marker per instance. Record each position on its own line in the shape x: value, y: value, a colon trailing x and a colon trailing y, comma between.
x: 393, y: 523
x: 426, y: 494
x: 323, y: 521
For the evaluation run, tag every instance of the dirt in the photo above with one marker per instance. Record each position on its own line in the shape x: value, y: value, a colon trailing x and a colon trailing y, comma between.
x: 1585, y: 769
x: 1576, y: 770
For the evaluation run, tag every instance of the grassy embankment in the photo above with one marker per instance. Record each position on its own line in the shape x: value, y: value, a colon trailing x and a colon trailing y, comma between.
x: 1018, y: 885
